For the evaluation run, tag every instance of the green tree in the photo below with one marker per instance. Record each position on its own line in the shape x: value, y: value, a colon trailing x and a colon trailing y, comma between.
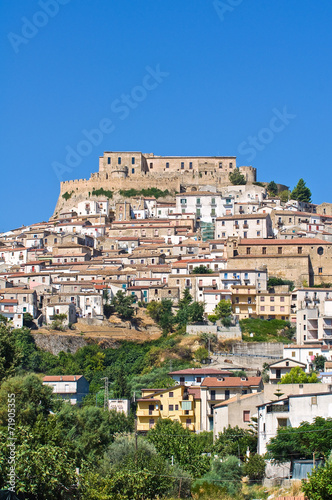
x: 292, y: 443
x: 172, y: 440
x: 237, y: 178
x: 285, y: 196
x: 298, y: 376
x: 201, y: 354
x: 301, y: 192
x: 235, y: 441
x: 196, y: 312
x: 43, y: 471
x: 32, y: 399
x: 318, y: 486
x: 10, y: 356
x: 123, y: 305
x: 120, y: 387
x: 162, y: 313
x: 272, y: 188
x: 254, y: 468
x: 202, y: 270
x: 319, y: 362
x: 224, y: 311
x: 28, y: 320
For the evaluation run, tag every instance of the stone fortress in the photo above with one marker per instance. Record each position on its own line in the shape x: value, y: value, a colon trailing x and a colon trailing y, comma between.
x: 127, y: 170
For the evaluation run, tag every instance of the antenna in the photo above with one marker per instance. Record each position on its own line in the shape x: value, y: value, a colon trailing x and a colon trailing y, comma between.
x: 105, y: 393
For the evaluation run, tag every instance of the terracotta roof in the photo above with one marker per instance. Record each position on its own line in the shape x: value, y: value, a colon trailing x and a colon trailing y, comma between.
x: 271, y: 241
x: 231, y: 382
x: 200, y: 371
x: 61, y: 378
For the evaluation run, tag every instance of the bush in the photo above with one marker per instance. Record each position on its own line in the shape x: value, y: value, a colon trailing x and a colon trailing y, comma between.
x: 67, y: 195
x: 102, y: 192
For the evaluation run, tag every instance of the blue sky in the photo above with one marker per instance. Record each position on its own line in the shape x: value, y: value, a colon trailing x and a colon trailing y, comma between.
x: 246, y: 78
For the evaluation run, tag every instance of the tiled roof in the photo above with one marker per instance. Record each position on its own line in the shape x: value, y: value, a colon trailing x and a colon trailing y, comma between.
x: 231, y: 382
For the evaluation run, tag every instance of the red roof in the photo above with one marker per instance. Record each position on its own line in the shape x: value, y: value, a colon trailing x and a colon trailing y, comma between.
x: 201, y: 371
x: 271, y: 241
x: 231, y: 382
x: 61, y: 378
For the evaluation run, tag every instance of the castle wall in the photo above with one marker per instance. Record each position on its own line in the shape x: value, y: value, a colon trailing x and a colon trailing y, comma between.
x: 127, y: 170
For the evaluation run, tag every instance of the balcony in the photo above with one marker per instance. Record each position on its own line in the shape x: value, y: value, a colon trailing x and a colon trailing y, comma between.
x: 283, y: 408
x: 186, y: 413
x: 148, y: 413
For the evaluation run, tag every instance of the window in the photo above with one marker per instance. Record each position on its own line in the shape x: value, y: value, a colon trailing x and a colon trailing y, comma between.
x: 299, y: 250
x: 109, y: 160
x: 264, y: 250
x: 170, y: 407
x: 119, y: 160
x: 279, y: 250
x: 133, y: 161
x: 246, y: 416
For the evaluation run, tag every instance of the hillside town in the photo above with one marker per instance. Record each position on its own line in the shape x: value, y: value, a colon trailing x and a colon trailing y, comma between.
x: 214, y: 236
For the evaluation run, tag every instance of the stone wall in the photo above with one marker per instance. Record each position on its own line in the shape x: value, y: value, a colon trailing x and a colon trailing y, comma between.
x: 55, y: 343
x: 259, y: 349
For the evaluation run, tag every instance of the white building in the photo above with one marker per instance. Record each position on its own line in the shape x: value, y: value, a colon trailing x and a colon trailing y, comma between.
x: 244, y: 226
x: 70, y: 387
x: 290, y: 412
x: 206, y: 205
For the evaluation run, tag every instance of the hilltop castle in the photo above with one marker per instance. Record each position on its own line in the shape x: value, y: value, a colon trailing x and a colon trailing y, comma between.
x: 126, y: 170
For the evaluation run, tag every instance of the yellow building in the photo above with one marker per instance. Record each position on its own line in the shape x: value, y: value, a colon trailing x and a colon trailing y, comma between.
x: 179, y: 403
x: 273, y: 305
x: 244, y: 301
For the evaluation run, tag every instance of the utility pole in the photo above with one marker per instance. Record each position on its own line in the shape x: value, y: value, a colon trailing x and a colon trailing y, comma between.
x: 105, y: 393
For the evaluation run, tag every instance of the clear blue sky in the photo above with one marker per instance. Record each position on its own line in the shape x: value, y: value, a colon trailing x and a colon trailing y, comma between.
x: 230, y: 71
